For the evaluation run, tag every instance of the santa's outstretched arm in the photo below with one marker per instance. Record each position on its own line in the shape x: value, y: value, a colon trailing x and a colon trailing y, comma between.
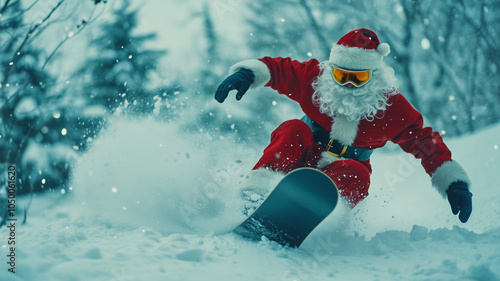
x: 288, y: 77
x: 447, y: 175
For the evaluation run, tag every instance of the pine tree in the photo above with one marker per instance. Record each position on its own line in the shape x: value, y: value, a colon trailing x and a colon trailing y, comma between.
x: 22, y: 91
x: 118, y: 73
x: 32, y: 121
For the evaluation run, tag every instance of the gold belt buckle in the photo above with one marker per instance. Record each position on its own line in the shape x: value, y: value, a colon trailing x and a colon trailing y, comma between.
x: 329, y: 146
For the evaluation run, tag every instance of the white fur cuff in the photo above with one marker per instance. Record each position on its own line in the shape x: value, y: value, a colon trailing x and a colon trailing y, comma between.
x: 446, y: 174
x: 259, y: 69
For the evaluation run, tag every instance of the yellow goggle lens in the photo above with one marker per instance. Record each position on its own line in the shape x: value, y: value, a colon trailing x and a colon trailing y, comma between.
x: 357, y: 78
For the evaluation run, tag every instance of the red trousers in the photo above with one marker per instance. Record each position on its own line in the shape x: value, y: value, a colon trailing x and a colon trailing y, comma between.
x: 292, y: 146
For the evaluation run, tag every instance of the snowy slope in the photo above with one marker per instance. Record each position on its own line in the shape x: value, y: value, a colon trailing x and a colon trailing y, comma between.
x: 151, y: 202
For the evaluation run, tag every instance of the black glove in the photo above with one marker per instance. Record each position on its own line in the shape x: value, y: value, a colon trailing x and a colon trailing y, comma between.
x: 460, y: 200
x: 240, y: 81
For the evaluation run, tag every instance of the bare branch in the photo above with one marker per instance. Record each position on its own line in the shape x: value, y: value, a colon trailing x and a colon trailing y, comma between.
x: 31, y: 6
x: 315, y: 26
x: 81, y: 27
x: 5, y: 6
x: 478, y: 29
x: 26, y: 39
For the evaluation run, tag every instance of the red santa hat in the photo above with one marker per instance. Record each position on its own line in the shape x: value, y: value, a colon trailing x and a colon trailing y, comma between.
x: 359, y: 49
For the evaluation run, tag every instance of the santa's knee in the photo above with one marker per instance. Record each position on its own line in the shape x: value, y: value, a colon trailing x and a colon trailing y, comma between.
x: 354, y: 191
x: 294, y: 130
x: 351, y: 178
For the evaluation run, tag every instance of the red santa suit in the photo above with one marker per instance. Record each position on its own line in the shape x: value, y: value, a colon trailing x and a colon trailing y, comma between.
x: 292, y: 144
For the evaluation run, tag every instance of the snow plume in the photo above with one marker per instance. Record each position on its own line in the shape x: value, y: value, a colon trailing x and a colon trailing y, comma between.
x: 145, y: 173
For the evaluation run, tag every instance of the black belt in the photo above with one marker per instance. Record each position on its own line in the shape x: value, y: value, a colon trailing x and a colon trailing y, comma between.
x: 348, y: 151
x: 334, y: 147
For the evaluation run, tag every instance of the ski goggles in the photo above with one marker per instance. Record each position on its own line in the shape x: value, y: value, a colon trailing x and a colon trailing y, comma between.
x: 356, y: 78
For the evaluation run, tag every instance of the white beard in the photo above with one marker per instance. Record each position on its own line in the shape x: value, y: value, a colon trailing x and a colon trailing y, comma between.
x: 354, y: 103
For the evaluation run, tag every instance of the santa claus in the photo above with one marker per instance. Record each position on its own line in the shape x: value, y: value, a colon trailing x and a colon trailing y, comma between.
x: 351, y: 107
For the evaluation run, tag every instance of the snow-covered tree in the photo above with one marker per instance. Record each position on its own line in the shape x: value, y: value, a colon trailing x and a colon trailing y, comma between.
x: 33, y: 128
x: 119, y: 69
x: 461, y: 38
x: 23, y: 87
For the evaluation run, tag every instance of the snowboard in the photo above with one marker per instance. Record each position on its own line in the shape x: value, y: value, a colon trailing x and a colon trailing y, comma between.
x: 299, y: 203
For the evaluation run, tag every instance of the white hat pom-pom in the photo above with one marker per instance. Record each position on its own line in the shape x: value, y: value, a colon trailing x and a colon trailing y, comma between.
x: 384, y: 49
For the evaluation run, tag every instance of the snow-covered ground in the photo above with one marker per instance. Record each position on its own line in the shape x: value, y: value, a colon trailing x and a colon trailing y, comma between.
x: 149, y: 202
